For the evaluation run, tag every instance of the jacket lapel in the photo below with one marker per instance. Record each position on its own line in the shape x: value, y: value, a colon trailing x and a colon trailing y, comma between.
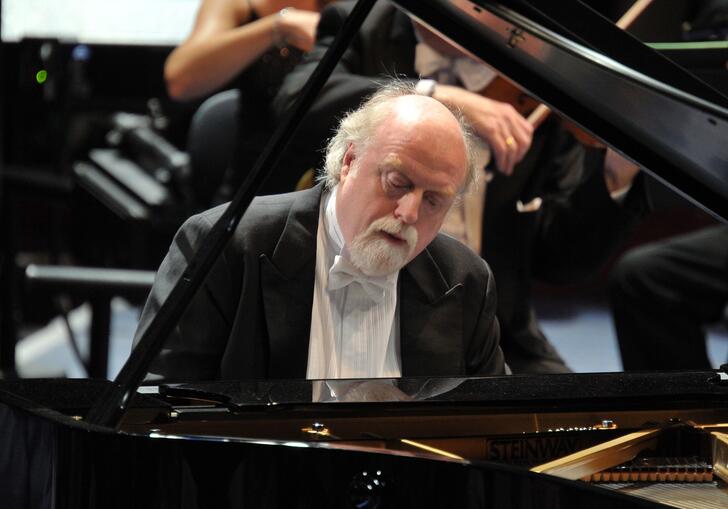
x: 430, y: 319
x: 287, y: 280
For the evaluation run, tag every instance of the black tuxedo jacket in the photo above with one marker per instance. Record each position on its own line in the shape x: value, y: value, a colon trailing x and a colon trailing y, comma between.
x: 252, y: 317
x: 568, y: 238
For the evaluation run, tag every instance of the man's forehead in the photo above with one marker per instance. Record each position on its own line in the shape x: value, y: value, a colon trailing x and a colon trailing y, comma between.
x: 416, y: 119
x: 415, y: 109
x: 408, y: 109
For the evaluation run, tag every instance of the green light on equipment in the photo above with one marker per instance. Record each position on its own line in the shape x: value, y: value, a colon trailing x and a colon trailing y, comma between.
x: 41, y: 76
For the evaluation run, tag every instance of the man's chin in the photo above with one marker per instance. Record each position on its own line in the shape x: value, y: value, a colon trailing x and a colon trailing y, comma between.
x: 371, y: 262
x: 380, y: 269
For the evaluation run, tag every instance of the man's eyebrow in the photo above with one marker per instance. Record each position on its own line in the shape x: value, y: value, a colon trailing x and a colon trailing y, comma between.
x: 397, y: 165
x: 392, y: 159
x: 393, y: 163
x: 446, y: 191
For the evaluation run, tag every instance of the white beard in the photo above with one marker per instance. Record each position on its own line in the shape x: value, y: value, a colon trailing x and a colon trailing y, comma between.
x: 376, y: 256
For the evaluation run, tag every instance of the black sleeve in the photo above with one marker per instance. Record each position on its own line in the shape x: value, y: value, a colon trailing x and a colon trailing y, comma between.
x: 484, y: 355
x: 580, y: 225
x: 194, y: 348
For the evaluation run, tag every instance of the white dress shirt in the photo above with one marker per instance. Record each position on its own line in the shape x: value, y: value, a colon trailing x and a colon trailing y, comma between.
x: 354, y: 318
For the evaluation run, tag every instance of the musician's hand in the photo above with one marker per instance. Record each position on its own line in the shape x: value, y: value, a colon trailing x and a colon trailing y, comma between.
x: 507, y: 133
x: 298, y: 27
x: 618, y: 172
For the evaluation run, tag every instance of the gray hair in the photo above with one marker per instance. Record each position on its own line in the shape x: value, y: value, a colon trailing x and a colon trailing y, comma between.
x: 358, y: 127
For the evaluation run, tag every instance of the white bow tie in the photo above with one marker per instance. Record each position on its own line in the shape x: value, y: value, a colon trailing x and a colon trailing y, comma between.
x: 342, y: 273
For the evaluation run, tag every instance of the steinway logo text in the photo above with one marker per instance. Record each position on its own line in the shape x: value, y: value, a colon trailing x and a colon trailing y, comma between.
x: 531, y: 449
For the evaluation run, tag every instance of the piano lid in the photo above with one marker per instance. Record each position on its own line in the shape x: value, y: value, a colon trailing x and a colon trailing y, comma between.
x: 628, y: 95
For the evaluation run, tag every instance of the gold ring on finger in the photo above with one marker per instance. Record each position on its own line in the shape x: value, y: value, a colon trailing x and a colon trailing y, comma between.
x: 510, y: 141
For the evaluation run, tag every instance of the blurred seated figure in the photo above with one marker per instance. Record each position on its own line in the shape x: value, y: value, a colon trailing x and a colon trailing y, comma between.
x: 230, y: 36
x: 349, y: 279
x: 250, y: 45
x: 554, y: 209
x: 664, y: 294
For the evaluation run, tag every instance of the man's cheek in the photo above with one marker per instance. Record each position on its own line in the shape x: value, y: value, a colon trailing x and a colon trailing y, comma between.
x: 425, y: 237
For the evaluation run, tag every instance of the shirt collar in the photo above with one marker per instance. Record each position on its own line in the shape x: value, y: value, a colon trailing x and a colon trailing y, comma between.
x: 331, y: 223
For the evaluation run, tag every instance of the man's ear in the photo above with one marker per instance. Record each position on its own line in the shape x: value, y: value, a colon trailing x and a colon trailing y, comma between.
x: 349, y: 157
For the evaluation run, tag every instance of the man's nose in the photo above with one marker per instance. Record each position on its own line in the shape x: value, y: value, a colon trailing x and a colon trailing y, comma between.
x: 408, y: 207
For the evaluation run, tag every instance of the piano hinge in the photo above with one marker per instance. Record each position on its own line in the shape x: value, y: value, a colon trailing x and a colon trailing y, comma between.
x: 516, y: 37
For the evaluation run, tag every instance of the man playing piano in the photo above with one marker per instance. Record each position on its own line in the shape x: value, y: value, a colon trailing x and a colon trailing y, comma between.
x: 554, y: 210
x: 349, y: 279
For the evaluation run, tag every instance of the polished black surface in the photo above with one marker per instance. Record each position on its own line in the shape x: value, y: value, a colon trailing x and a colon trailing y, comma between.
x: 605, y: 81
x: 578, y: 22
x: 564, y: 392
x: 648, y: 388
x: 51, y: 460
x: 183, y: 448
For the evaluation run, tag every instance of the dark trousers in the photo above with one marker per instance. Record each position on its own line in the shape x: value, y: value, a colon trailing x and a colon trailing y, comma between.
x: 663, y: 295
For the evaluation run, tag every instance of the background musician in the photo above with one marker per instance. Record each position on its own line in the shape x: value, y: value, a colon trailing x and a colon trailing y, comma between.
x: 664, y: 294
x: 251, y: 45
x: 230, y: 36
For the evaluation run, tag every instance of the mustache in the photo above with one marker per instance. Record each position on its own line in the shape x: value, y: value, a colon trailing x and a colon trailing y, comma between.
x: 395, y: 227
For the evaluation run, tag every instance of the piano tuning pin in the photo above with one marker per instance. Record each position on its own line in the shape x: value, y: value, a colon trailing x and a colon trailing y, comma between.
x: 316, y: 430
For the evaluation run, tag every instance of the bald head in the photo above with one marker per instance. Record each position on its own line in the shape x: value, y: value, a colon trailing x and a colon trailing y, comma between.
x: 397, y: 103
x: 426, y: 123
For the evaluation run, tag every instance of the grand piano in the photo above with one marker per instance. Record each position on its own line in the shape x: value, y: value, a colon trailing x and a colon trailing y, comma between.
x: 577, y: 440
